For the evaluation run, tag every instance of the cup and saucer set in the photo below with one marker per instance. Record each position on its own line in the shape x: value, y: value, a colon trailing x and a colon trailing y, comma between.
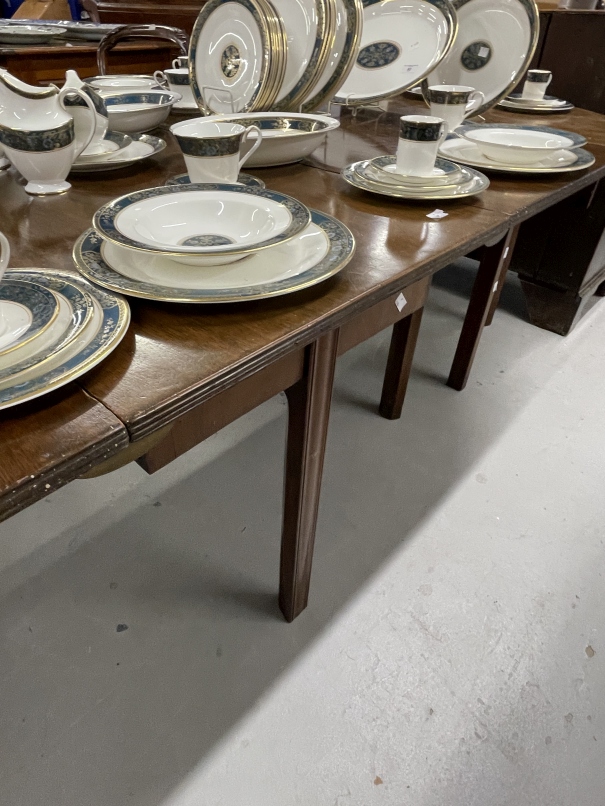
x: 213, y: 235
x: 533, y: 99
x: 416, y: 172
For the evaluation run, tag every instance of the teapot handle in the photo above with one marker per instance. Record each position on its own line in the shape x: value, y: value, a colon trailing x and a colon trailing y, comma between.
x: 5, y: 253
x: 92, y: 118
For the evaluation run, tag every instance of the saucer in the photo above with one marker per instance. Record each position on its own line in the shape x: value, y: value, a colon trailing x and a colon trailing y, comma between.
x: 355, y: 175
x: 384, y: 169
x: 548, y: 105
x: 243, y: 179
x: 112, y: 144
x: 562, y: 161
x: 319, y: 252
x: 141, y: 147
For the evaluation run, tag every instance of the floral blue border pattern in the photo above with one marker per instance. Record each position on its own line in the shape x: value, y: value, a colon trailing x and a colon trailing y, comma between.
x: 474, y: 56
x: 39, y: 301
x: 160, y: 98
x: 244, y: 179
x: 225, y: 146
x: 104, y: 220
x: 88, y: 259
x: 37, y: 141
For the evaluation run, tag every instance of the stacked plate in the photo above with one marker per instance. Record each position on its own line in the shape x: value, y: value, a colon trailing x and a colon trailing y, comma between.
x: 211, y: 243
x: 548, y: 105
x: 447, y: 181
x: 54, y: 327
x: 128, y: 151
x: 517, y: 149
x: 296, y: 55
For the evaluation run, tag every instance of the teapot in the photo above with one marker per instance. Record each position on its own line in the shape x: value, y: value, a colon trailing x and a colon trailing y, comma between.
x: 39, y: 136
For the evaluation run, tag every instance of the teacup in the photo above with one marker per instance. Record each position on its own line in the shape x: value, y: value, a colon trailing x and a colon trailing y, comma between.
x: 419, y: 139
x: 215, y: 152
x: 44, y: 156
x: 453, y: 103
x: 180, y: 61
x: 177, y: 80
x: 536, y: 85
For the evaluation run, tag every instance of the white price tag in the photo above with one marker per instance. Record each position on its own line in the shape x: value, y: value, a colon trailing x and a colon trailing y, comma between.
x: 437, y: 214
x: 483, y: 52
x: 401, y: 302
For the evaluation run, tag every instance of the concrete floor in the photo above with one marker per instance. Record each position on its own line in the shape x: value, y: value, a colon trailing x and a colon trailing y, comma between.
x: 452, y: 653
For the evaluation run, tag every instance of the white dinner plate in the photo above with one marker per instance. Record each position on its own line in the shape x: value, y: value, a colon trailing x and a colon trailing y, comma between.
x: 322, y: 250
x: 550, y: 105
x: 30, y: 34
x: 357, y: 176
x: 494, y: 46
x: 401, y: 42
x: 560, y: 162
x: 345, y: 46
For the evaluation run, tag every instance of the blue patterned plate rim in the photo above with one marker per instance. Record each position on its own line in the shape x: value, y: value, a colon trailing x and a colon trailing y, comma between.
x: 39, y: 301
x: 88, y: 259
x: 81, y: 307
x: 104, y: 220
x: 244, y: 179
x: 578, y: 140
x: 351, y: 175
x: 115, y: 314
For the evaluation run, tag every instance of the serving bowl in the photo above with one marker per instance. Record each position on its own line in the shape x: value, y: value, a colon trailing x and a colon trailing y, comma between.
x: 137, y: 112
x: 109, y: 85
x: 519, y: 145
x: 202, y: 225
x: 287, y: 136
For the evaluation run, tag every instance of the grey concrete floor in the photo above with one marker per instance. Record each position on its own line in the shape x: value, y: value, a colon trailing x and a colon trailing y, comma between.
x: 452, y: 653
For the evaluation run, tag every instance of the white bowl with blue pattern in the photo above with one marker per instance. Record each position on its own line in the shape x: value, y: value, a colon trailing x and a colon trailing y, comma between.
x: 138, y: 112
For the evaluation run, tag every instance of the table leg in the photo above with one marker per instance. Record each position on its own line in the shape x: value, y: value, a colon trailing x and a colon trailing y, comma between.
x: 399, y: 365
x: 492, y: 269
x: 309, y: 411
x: 507, y: 257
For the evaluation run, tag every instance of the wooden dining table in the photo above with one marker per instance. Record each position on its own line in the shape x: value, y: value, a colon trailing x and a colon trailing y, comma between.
x: 185, y: 371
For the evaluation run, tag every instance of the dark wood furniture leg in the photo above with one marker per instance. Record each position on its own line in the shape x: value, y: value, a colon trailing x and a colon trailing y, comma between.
x: 309, y: 412
x: 506, y: 261
x: 399, y: 365
x: 492, y: 269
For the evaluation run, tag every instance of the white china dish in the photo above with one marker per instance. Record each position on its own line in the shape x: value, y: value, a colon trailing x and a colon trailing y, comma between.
x: 200, y: 225
x: 356, y: 176
x: 402, y: 41
x: 138, y: 112
x: 519, y: 145
x: 287, y: 137
x: 112, y: 85
x: 548, y: 106
x: 493, y: 48
x: 215, y: 151
x: 141, y: 148
x: 113, y: 144
x: 30, y: 34
x: 242, y: 179
x: 89, y: 31
x: 444, y: 174
x: 26, y: 311
x: 468, y: 153
x: 176, y: 79
x: 345, y: 47
x: 321, y: 250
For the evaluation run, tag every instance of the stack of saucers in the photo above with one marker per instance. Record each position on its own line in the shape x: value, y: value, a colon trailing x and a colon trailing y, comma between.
x: 54, y: 327
x: 448, y: 180
x: 547, y: 105
x: 211, y: 243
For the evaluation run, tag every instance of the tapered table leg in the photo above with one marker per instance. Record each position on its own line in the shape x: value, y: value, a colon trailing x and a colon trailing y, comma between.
x: 492, y: 270
x: 506, y: 260
x: 309, y: 411
x: 399, y: 365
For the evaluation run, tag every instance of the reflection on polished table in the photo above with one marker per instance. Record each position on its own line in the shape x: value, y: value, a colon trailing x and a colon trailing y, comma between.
x: 183, y: 371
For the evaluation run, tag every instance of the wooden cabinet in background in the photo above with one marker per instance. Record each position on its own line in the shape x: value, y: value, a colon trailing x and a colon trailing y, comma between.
x: 178, y: 13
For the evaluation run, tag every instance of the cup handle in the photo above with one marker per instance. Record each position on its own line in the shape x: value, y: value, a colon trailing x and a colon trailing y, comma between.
x: 5, y: 253
x: 161, y: 78
x: 477, y: 98
x: 92, y: 117
x: 252, y: 148
x: 175, y: 65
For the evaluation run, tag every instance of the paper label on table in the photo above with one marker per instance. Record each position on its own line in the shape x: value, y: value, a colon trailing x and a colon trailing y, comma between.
x: 401, y: 302
x: 437, y: 214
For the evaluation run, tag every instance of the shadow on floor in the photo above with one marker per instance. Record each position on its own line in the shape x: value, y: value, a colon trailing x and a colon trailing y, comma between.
x: 124, y: 664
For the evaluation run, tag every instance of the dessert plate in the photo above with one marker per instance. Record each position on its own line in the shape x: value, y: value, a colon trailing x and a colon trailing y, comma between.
x: 322, y: 250
x: 356, y: 176
x: 243, y: 179
x: 384, y: 169
x: 549, y: 105
x: 142, y: 147
x: 99, y: 337
x: 30, y: 34
x: 560, y: 162
x: 345, y: 46
x: 112, y: 145
x: 402, y: 41
x: 495, y: 44
x: 26, y: 311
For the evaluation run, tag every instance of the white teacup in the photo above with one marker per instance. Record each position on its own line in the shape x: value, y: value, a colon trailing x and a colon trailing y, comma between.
x: 180, y: 61
x: 177, y: 80
x: 453, y: 103
x: 419, y: 139
x: 215, y: 152
x: 536, y: 85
